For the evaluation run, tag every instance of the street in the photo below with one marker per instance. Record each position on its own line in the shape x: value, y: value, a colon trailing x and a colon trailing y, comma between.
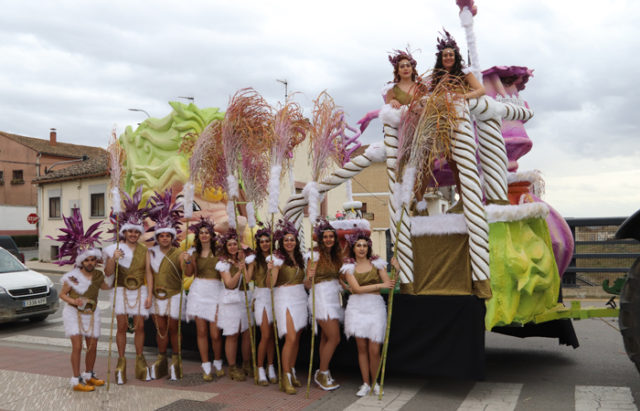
x: 522, y: 374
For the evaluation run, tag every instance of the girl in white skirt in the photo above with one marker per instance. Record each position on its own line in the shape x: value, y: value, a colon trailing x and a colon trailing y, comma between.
x: 290, y: 299
x: 328, y: 286
x: 232, y: 313
x: 365, y: 316
x: 262, y: 306
x: 204, y: 296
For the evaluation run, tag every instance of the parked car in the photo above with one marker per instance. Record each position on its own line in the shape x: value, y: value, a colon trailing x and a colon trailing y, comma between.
x: 24, y: 293
x: 8, y: 244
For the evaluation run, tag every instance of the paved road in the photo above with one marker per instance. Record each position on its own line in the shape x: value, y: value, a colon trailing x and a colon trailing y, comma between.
x: 522, y: 374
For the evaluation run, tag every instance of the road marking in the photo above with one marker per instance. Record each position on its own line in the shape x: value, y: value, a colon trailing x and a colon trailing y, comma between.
x: 492, y: 396
x: 394, y: 398
x: 61, y: 342
x: 591, y: 397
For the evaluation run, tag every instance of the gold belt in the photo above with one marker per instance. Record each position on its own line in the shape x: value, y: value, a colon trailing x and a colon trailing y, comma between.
x: 88, y: 307
x: 132, y: 283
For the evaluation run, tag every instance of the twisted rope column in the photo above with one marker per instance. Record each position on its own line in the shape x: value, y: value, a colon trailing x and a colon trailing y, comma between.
x: 403, y: 237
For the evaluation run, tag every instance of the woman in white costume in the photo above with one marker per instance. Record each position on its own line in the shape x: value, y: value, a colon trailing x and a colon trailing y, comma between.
x: 204, y: 297
x: 365, y: 316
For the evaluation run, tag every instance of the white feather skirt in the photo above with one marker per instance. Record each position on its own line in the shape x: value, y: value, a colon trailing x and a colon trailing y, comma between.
x: 327, y: 301
x: 294, y: 299
x: 71, y: 326
x: 132, y: 306
x: 232, y: 316
x: 204, y: 299
x: 261, y: 303
x: 366, y: 317
x: 161, y: 307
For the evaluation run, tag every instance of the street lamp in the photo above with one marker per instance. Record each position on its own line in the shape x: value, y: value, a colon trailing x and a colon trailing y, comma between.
x: 285, y: 88
x: 140, y: 110
x: 191, y: 98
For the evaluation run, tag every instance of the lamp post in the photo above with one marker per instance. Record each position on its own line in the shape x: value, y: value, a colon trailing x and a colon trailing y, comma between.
x: 140, y: 110
x: 285, y: 88
x: 190, y: 98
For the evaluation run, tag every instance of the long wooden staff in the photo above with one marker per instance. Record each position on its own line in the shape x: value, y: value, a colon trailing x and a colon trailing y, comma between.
x: 313, y: 311
x: 246, y: 302
x: 273, y: 312
x: 113, y: 305
x: 385, y: 346
x: 186, y: 247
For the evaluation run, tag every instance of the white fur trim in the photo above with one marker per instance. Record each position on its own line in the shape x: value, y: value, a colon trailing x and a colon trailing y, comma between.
x: 232, y: 317
x: 312, y: 195
x: 116, y: 200
x: 348, y: 268
x: 249, y: 259
x: 421, y: 205
x: 204, y: 299
x: 91, y: 252
x: 327, y: 301
x: 379, y: 263
x: 130, y: 308
x: 262, y: 303
x: 532, y: 176
x: 187, y: 191
x: 251, y: 215
x: 274, y: 188
x: 130, y: 226
x: 391, y: 116
x: 169, y: 230
x: 441, y: 224
x: 277, y: 262
x: 81, y: 283
x: 232, y: 186
x: 316, y: 256
x: 292, y: 298
x: 351, y: 224
x: 223, y: 266
x: 466, y: 18
x: 161, y: 307
x: 355, y: 205
x: 376, y: 152
x: 408, y: 181
x: 71, y: 326
x: 231, y: 214
x: 365, y: 317
x: 155, y: 257
x: 108, y: 279
x: 497, y: 213
x: 126, y: 260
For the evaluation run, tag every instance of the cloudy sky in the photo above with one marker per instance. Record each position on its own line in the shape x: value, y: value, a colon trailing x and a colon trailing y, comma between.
x: 78, y: 66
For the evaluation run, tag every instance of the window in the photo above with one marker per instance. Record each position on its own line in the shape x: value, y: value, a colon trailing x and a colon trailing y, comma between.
x: 54, y: 207
x: 97, y: 205
x: 17, y: 177
x: 1, y: 178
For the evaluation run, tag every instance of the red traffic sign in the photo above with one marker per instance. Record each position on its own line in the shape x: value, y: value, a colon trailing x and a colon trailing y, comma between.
x: 33, y: 218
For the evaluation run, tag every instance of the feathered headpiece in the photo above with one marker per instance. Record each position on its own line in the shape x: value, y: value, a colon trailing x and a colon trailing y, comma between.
x: 263, y: 230
x: 231, y: 234
x: 359, y: 234
x: 321, y: 226
x: 76, y: 243
x: 204, y: 223
x: 132, y: 216
x: 165, y: 214
x: 446, y: 42
x: 402, y: 55
x: 283, y: 228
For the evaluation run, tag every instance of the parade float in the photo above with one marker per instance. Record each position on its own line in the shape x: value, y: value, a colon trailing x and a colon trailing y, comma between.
x: 497, y: 265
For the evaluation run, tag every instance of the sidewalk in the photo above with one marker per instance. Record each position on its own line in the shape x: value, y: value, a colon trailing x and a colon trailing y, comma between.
x: 48, y: 268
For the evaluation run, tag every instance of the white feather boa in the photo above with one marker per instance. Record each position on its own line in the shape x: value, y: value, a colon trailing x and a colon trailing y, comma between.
x: 188, y: 199
x: 348, y: 268
x: 251, y: 215
x: 274, y: 188
x: 231, y: 213
x: 249, y: 259
x: 223, y: 266
x: 117, y: 201
x: 391, y: 116
x: 376, y: 152
x: 232, y: 186
x: 378, y: 262
x: 277, y: 262
x: 312, y: 195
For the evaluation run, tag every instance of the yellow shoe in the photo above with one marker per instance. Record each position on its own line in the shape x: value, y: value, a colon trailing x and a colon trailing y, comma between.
x: 176, y: 367
x: 142, y: 369
x: 207, y: 377
x: 294, y: 381
x: 247, y: 368
x: 218, y: 372
x: 89, y: 378
x: 325, y: 381
x: 236, y: 374
x: 83, y: 387
x: 287, y: 385
x: 121, y: 371
x: 159, y: 368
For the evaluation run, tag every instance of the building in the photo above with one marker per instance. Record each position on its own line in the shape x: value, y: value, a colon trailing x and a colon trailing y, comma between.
x: 22, y: 160
x: 83, y: 185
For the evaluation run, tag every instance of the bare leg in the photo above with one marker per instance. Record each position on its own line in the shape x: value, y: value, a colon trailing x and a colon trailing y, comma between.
x: 246, y: 347
x: 161, y: 333
x: 330, y: 331
x: 173, y: 334
x: 202, y: 338
x: 290, y: 347
x: 76, y: 351
x: 363, y: 359
x: 90, y: 356
x: 138, y: 334
x: 231, y: 349
x: 265, y: 347
x: 121, y: 333
x: 216, y: 341
x: 374, y: 358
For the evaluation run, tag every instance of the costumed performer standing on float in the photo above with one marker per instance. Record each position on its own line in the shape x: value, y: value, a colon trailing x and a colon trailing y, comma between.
x: 232, y: 312
x: 166, y: 263
x: 290, y: 299
x: 262, y: 305
x: 205, y: 295
x: 366, y: 314
x: 134, y: 284
x: 80, y: 288
x: 329, y: 312
x: 406, y: 83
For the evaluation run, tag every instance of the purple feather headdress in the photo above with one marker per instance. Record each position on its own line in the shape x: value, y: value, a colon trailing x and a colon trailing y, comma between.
x: 231, y: 234
x: 446, y: 42
x: 165, y: 214
x: 264, y: 229
x: 203, y: 223
x: 132, y: 215
x: 321, y: 226
x: 283, y: 228
x: 359, y: 234
x: 402, y: 55
x: 77, y: 244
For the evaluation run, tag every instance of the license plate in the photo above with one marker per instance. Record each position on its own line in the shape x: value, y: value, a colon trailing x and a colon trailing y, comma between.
x: 35, y: 301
